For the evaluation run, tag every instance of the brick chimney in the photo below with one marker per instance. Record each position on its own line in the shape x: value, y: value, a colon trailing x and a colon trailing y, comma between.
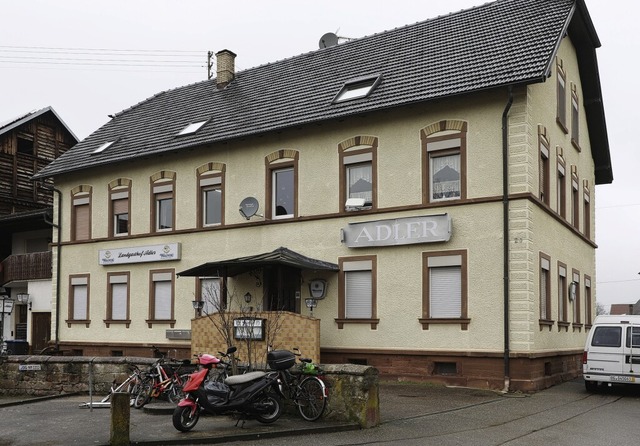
x: 225, y: 68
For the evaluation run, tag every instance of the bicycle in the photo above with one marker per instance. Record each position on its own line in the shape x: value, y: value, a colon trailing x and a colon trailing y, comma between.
x: 305, y: 388
x: 161, y: 379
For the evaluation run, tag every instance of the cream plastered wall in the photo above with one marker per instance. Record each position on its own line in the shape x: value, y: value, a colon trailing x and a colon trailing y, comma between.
x: 532, y: 229
x: 476, y: 228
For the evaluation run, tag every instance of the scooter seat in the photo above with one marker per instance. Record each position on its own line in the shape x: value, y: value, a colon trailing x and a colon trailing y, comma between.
x: 241, y: 379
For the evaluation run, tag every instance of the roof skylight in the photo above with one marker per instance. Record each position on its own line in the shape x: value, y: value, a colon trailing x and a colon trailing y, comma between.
x: 357, y: 88
x: 192, y: 128
x: 104, y: 147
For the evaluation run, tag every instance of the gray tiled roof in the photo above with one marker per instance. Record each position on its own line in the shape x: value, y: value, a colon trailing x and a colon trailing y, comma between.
x: 500, y: 43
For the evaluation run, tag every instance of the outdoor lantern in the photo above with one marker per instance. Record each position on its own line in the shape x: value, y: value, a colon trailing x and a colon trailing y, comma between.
x: 197, y: 305
x: 247, y: 297
x: 24, y: 298
x: 311, y: 303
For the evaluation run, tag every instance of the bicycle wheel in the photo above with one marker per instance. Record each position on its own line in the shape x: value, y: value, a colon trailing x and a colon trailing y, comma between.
x: 144, y: 394
x: 310, y: 398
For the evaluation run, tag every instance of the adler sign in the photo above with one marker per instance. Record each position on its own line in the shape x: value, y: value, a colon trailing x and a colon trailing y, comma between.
x: 400, y: 231
x: 150, y: 253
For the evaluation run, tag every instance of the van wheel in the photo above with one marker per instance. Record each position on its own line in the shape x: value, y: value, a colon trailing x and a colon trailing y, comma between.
x: 591, y: 386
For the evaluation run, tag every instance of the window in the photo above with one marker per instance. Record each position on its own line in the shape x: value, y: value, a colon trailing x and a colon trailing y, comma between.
x: 561, y: 186
x: 561, y: 113
x: 101, y: 148
x: 358, y: 171
x: 444, y: 288
x: 444, y: 161
x: 357, y: 88
x: 607, y: 337
x: 575, y: 117
x: 25, y: 145
x: 211, y: 194
x: 78, y: 300
x: 192, y: 128
x: 282, y: 181
x: 161, y: 298
x: 282, y: 193
x: 543, y: 143
x: 209, y: 292
x: 633, y: 339
x: 575, y: 198
x: 577, y: 321
x: 562, y: 296
x: 118, y: 299
x: 588, y: 315
x: 81, y: 210
x: 586, y: 210
x: 119, y: 193
x: 357, y: 291
x: 545, y: 290
x: 163, y: 209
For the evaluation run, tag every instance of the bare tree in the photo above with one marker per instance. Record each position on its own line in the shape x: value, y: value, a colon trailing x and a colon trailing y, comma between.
x: 600, y: 309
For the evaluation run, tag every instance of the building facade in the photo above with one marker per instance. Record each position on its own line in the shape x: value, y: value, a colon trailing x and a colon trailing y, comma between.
x: 27, y: 144
x: 443, y: 215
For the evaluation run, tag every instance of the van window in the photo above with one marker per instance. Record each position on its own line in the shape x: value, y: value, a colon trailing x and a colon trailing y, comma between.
x: 607, y: 337
x: 636, y: 337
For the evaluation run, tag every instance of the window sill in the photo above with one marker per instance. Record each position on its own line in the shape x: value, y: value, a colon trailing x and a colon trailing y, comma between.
x: 577, y: 326
x: 374, y: 322
x: 576, y: 145
x: 562, y: 125
x: 171, y: 322
x: 71, y: 322
x: 108, y: 322
x: 464, y: 322
x: 562, y: 324
x: 546, y: 323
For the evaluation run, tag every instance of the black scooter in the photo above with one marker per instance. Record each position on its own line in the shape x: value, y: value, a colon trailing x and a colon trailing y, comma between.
x: 251, y: 395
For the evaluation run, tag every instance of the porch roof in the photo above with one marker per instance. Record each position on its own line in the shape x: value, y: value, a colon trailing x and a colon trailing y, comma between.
x: 278, y: 257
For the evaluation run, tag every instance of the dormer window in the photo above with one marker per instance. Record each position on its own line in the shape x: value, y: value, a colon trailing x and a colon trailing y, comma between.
x: 357, y: 88
x: 104, y: 147
x: 192, y: 128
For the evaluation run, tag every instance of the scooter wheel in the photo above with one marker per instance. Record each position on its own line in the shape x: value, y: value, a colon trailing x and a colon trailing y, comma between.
x: 269, y: 408
x: 184, y: 418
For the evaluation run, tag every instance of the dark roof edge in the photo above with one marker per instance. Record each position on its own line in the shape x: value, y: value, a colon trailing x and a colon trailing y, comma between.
x: 28, y: 117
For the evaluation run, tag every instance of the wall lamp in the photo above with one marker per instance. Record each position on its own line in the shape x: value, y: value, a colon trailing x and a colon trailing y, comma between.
x: 247, y: 297
x: 25, y: 298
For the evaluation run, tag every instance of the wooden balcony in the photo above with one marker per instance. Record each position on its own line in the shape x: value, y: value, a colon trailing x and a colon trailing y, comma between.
x: 25, y: 267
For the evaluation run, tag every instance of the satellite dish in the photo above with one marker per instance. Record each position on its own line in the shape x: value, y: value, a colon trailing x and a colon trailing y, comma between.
x: 327, y: 40
x: 248, y: 207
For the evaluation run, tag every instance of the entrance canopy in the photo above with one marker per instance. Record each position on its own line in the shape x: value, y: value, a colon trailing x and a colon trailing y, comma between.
x: 279, y: 257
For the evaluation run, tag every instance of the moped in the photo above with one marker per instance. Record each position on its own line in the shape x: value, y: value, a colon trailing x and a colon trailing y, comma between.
x: 250, y: 395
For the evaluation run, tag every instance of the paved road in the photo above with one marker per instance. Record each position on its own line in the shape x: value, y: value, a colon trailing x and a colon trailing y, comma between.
x: 411, y: 415
x: 561, y: 416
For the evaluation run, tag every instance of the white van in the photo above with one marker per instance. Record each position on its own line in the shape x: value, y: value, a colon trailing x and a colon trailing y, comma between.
x: 612, y: 351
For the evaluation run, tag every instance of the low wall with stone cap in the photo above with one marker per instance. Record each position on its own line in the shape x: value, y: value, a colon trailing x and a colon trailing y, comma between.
x: 353, y: 389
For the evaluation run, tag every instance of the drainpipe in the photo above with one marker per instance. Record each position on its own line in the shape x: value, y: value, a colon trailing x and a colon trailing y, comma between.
x: 505, y: 233
x: 58, y: 240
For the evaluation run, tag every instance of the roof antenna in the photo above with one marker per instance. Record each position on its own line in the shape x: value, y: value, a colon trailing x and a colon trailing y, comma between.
x: 331, y: 39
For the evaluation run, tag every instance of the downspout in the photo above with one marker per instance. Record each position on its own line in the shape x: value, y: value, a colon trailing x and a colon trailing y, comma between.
x: 58, y: 238
x: 505, y: 233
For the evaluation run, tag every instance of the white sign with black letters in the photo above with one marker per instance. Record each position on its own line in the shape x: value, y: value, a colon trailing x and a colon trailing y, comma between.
x: 399, y: 231
x: 150, y: 253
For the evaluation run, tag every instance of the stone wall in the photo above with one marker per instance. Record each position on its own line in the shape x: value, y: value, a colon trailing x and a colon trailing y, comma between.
x: 353, y: 389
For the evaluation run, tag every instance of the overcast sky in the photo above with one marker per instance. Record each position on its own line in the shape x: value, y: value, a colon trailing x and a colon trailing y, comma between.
x: 84, y: 58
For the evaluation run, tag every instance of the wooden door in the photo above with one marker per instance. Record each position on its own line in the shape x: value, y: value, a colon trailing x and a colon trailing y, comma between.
x: 40, y: 331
